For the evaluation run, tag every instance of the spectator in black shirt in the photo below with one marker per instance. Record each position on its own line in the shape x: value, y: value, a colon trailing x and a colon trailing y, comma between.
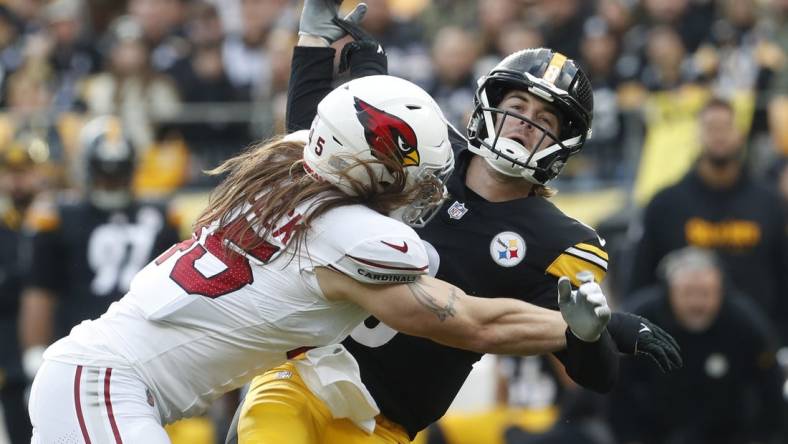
x: 717, y: 205
x: 729, y: 388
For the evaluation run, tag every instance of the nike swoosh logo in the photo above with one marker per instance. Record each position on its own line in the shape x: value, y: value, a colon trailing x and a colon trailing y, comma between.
x: 401, y: 248
x: 645, y: 328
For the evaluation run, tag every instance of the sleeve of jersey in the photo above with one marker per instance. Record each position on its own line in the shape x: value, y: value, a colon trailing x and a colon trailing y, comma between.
x: 311, y: 77
x: 387, y: 259
x: 583, y: 256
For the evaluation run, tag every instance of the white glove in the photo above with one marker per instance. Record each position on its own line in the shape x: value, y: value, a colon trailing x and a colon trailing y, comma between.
x: 584, y: 310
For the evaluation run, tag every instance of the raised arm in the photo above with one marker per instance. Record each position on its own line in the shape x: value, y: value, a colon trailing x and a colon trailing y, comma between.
x: 311, y: 77
x: 434, y: 309
x: 312, y: 69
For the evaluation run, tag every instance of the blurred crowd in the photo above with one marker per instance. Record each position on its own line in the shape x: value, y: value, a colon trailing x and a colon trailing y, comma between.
x: 196, y: 80
x: 690, y: 135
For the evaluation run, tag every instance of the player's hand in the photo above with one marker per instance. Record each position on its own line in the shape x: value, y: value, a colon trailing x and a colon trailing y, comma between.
x: 364, y: 55
x: 585, y: 310
x: 317, y: 19
x: 636, y: 335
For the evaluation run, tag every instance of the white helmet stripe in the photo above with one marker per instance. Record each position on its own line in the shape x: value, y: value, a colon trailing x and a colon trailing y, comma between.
x: 488, y: 120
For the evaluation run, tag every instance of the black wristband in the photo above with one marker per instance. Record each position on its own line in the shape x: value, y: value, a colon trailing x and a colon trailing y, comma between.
x: 363, y: 58
x: 593, y: 365
x: 623, y: 327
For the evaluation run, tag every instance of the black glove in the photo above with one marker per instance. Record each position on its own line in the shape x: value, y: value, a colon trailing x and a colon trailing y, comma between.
x: 317, y: 19
x: 364, y: 56
x: 636, y: 335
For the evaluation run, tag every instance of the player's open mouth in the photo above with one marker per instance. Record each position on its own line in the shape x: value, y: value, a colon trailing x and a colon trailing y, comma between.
x: 518, y: 138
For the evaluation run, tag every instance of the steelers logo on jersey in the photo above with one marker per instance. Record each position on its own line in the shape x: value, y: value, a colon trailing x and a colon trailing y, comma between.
x: 507, y: 249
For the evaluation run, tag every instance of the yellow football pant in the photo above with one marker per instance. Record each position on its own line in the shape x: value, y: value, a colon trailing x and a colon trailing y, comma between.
x: 280, y: 409
x: 198, y: 430
x: 488, y: 427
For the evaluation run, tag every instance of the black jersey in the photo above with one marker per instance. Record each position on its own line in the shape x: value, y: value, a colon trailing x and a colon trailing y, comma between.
x: 87, y: 256
x: 513, y: 249
x: 744, y: 224
x: 728, y: 391
x: 508, y: 249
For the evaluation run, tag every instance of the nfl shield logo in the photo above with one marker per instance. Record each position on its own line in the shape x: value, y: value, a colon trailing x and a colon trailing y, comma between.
x: 457, y: 210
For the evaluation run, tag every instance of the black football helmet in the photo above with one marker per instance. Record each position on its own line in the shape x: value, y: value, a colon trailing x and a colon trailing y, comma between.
x: 108, y: 161
x: 551, y: 77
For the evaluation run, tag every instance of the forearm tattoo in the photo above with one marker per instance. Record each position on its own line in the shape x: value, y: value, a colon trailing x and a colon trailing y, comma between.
x: 421, y: 294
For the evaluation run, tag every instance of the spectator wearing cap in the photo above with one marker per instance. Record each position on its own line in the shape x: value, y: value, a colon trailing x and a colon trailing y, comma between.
x: 729, y: 390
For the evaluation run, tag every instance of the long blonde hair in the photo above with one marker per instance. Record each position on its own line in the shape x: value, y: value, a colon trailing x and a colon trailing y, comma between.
x: 268, y: 181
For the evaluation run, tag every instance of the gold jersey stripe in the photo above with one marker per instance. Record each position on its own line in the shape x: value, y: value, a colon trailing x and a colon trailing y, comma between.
x: 569, y: 266
x: 593, y: 249
x: 555, y: 67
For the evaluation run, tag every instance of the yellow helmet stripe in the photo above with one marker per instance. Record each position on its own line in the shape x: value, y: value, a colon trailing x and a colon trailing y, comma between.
x: 555, y: 67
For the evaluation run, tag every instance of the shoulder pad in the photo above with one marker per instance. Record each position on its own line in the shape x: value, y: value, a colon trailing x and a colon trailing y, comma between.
x: 582, y: 256
x: 385, y: 259
x: 367, y: 246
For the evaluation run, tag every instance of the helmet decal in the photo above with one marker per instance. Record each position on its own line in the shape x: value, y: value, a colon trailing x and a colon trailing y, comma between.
x: 401, y: 123
x: 555, y: 67
x: 387, y: 134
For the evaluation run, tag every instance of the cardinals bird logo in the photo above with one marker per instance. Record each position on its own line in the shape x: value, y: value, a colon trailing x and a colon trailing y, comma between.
x: 387, y: 134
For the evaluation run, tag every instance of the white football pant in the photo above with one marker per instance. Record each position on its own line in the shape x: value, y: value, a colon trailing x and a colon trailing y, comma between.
x: 92, y: 405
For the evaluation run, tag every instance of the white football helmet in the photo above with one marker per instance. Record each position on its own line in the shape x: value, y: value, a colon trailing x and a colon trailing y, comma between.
x: 380, y: 117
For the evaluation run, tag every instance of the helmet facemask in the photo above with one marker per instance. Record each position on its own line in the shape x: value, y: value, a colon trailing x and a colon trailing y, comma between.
x: 548, y: 77
x: 428, y: 189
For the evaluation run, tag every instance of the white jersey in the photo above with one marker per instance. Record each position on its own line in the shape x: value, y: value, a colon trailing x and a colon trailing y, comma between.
x: 202, y: 320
